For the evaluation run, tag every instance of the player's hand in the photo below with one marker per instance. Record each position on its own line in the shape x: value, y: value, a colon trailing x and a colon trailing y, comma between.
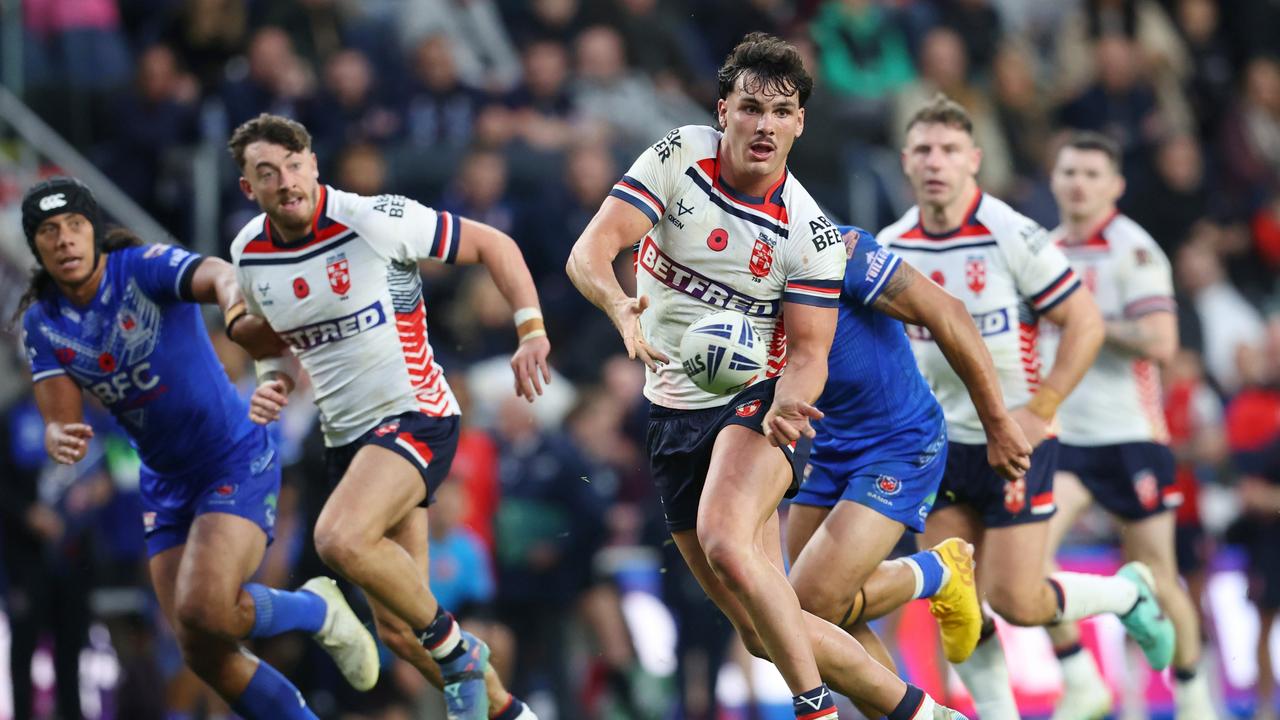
x: 67, y: 443
x: 1008, y: 451
x: 626, y: 317
x: 252, y: 333
x: 528, y: 362
x: 788, y: 419
x: 267, y: 402
x: 1034, y: 427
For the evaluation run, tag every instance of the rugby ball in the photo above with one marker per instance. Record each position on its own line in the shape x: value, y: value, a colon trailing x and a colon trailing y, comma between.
x: 722, y: 353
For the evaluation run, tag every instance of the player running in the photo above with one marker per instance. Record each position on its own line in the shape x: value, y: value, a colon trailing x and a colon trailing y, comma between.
x: 1008, y: 273
x: 1114, y: 440
x: 718, y: 222
x: 337, y: 276
x: 881, y: 448
x: 118, y: 318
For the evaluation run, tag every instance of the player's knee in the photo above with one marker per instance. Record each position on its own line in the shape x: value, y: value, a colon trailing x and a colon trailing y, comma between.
x: 751, y: 640
x: 201, y: 616
x: 729, y: 560
x: 339, y: 548
x: 1019, y: 606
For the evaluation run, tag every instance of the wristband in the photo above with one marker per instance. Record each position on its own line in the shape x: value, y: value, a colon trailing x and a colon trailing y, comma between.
x: 529, y: 324
x: 284, y: 365
x: 1045, y: 403
x: 233, y: 314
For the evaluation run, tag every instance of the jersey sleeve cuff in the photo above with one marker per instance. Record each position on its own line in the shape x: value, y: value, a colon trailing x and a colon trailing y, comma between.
x: 818, y: 293
x: 38, y: 375
x: 1057, y: 291
x: 444, y: 244
x: 186, y: 274
x: 632, y: 191
x: 891, y: 267
x: 1150, y: 304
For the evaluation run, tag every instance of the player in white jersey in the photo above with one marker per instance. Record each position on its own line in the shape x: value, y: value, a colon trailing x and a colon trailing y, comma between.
x: 1114, y: 440
x: 337, y: 276
x: 1008, y: 273
x: 718, y: 222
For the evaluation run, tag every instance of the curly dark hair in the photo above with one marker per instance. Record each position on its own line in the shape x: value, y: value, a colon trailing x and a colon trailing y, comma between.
x: 275, y: 129
x: 770, y: 65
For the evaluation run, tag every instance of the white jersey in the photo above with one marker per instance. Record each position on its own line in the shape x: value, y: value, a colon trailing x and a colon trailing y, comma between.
x: 1119, y: 399
x: 713, y: 248
x: 348, y: 299
x: 1006, y: 270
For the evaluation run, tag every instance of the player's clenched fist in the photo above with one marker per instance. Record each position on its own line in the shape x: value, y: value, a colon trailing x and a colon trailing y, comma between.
x: 267, y: 402
x: 67, y: 443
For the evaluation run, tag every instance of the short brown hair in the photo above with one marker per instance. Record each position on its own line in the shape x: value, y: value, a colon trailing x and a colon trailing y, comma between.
x: 275, y: 129
x: 942, y: 110
x: 1096, y: 141
x: 771, y: 63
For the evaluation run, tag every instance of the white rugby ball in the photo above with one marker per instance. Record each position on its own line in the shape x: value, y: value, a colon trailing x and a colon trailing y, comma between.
x: 722, y: 353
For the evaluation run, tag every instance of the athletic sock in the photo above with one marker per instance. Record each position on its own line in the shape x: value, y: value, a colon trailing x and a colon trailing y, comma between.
x: 511, y: 710
x: 281, y: 611
x: 816, y: 704
x: 1079, y: 669
x: 987, y: 677
x: 269, y: 696
x: 1184, y: 675
x: 1081, y: 596
x: 929, y: 571
x: 911, y: 704
x: 443, y: 638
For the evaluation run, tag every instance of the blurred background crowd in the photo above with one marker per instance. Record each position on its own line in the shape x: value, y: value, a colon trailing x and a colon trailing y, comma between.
x: 522, y: 114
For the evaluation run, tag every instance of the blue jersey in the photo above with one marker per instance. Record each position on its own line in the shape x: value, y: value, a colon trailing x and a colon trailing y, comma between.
x: 140, y: 346
x: 874, y: 390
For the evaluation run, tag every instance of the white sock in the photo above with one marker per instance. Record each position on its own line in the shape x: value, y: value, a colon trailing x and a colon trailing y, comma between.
x: 987, y: 678
x: 1088, y: 595
x: 1080, y: 671
x: 926, y: 709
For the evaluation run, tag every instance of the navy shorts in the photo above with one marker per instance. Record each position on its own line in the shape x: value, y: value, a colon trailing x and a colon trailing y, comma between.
x: 900, y: 483
x: 425, y: 441
x: 680, y: 442
x: 969, y: 480
x: 245, y: 483
x: 1129, y: 480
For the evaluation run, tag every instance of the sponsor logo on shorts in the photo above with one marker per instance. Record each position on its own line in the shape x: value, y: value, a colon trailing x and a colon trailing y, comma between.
x: 747, y: 409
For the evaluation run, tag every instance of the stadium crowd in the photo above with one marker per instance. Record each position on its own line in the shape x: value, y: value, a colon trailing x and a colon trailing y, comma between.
x: 523, y: 115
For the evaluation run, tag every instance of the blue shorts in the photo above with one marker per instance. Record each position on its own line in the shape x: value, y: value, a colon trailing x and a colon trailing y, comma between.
x: 1129, y: 480
x: 245, y: 483
x: 426, y: 442
x: 969, y: 480
x: 680, y: 442
x: 900, y: 483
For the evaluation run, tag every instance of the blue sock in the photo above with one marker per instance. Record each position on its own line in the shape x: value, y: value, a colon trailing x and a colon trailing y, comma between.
x: 817, y: 704
x: 270, y: 696
x: 909, y: 705
x: 281, y: 611
x: 929, y: 572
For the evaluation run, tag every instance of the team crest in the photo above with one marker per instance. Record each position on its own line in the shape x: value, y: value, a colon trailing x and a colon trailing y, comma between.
x: 747, y: 409
x: 387, y: 429
x: 1147, y: 489
x: 128, y: 323
x: 761, y: 257
x: 975, y: 273
x: 1015, y: 495
x: 148, y: 521
x: 888, y: 485
x: 339, y: 273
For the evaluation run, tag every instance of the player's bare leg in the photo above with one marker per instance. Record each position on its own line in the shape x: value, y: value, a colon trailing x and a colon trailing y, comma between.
x: 845, y: 665
x: 411, y: 535
x: 199, y: 587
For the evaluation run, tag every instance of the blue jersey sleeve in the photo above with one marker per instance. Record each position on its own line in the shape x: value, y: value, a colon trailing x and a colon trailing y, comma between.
x: 41, y: 358
x: 869, y: 265
x: 164, y: 272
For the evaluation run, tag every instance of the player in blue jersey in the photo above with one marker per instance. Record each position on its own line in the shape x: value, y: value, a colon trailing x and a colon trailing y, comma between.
x: 880, y: 450
x: 120, y: 319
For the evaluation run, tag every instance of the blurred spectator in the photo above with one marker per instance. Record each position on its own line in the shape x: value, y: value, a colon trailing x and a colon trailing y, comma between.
x: 475, y: 469
x: 662, y: 43
x: 1020, y: 108
x: 977, y: 22
x: 481, y: 48
x: 81, y: 42
x: 348, y: 108
x: 1209, y: 84
x: 318, y: 28
x: 1175, y: 198
x: 629, y: 102
x: 151, y: 124
x: 944, y: 68
x: 440, y: 109
x: 1123, y: 103
x: 1227, y: 322
x: 542, y: 107
x: 362, y: 169
x: 835, y: 128
x: 1266, y: 234
x: 1251, y: 133
x: 275, y: 81
x: 722, y: 23
x: 1160, y: 54
x: 559, y: 20
x: 479, y: 191
x: 863, y: 52
x: 206, y: 34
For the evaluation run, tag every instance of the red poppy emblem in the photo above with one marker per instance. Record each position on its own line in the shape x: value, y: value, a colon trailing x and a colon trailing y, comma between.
x: 761, y: 258
x: 107, y: 362
x: 300, y: 288
x: 64, y: 355
x: 975, y: 274
x: 339, y: 274
x: 938, y: 278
